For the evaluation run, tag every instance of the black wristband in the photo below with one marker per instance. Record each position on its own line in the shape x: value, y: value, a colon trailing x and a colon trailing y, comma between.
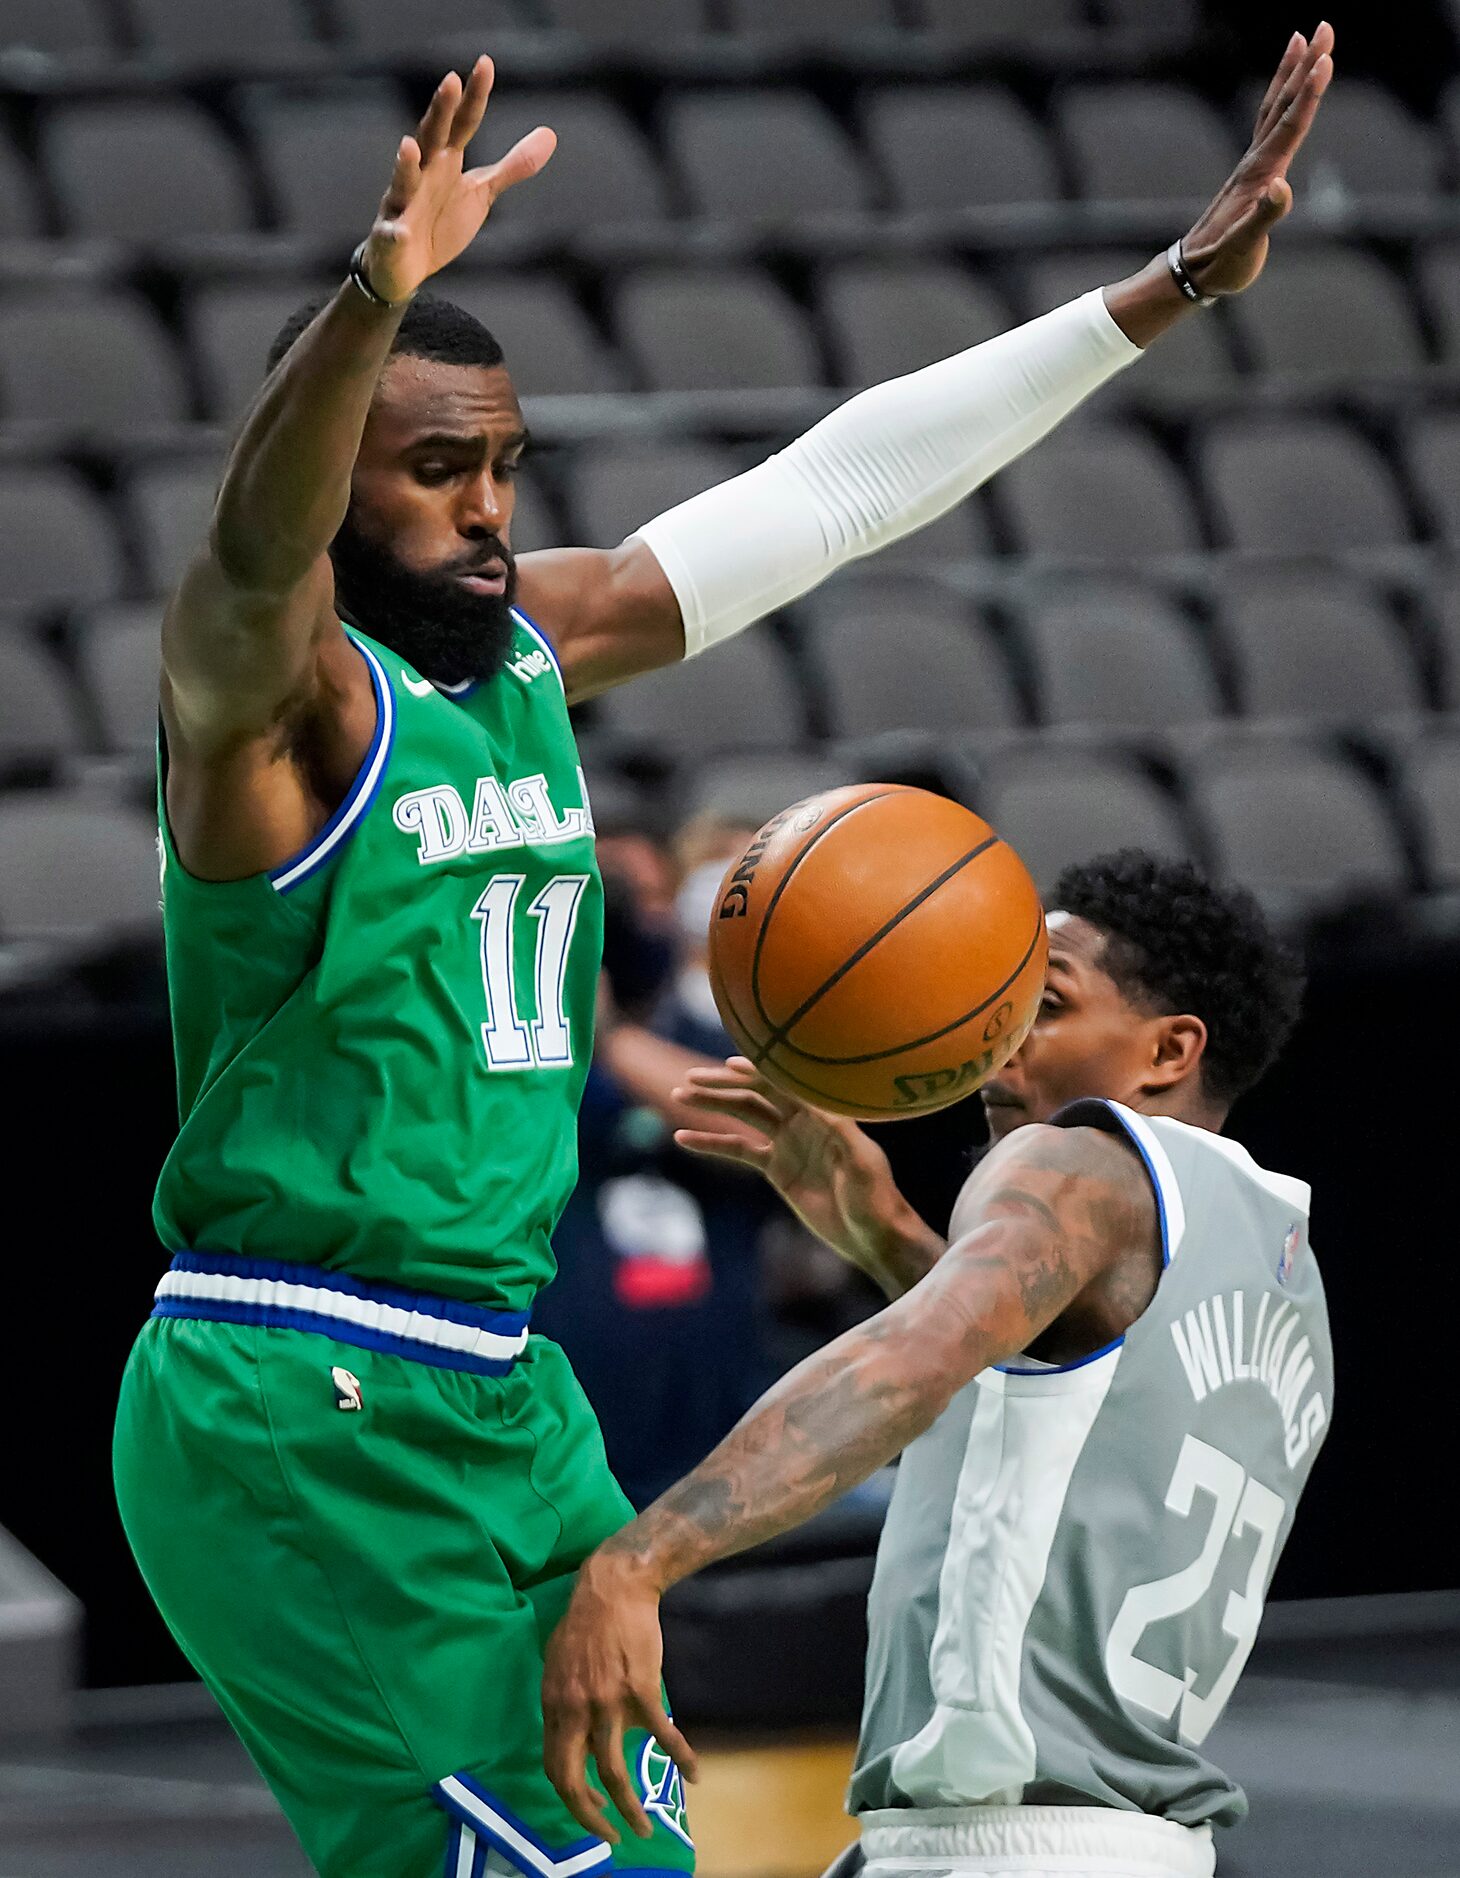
x: 362, y: 279
x: 1176, y: 262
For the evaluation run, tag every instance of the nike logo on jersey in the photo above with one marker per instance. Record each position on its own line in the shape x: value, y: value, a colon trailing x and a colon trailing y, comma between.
x: 520, y: 814
x: 418, y: 687
x: 531, y: 665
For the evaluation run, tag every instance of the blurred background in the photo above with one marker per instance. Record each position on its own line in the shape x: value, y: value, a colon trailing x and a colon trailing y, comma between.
x: 1215, y: 615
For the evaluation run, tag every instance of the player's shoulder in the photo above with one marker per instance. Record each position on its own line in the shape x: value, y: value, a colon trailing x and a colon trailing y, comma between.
x: 1075, y: 1170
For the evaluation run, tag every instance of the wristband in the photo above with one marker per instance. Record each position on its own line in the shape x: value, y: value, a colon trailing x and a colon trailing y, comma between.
x: 1176, y: 262
x: 362, y: 280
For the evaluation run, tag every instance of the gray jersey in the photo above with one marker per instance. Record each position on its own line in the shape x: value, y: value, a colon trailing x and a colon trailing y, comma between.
x: 1075, y: 1559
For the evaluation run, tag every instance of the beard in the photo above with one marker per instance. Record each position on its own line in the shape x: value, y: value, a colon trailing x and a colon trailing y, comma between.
x: 447, y: 632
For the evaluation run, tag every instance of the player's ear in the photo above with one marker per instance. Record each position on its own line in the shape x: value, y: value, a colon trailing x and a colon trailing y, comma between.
x: 1177, y: 1046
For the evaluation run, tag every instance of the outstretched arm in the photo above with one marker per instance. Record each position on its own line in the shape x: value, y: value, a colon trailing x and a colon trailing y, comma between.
x: 898, y: 456
x: 1047, y: 1213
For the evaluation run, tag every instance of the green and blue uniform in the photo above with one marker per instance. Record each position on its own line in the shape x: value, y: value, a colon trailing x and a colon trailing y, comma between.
x: 356, y: 1484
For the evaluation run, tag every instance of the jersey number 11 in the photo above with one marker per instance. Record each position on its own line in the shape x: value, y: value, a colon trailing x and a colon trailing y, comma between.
x: 510, y: 1041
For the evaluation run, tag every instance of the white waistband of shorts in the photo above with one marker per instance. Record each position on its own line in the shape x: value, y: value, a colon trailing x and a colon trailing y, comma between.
x: 1041, y: 1838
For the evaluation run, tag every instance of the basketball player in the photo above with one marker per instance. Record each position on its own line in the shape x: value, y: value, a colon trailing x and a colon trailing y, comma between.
x: 1111, y: 1385
x: 356, y: 1488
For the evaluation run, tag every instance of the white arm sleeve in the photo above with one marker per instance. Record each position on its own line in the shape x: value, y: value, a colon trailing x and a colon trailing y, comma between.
x: 885, y: 463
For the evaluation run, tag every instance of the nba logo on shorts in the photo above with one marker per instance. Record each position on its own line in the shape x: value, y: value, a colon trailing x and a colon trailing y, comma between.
x: 1289, y: 1253
x: 662, y: 1786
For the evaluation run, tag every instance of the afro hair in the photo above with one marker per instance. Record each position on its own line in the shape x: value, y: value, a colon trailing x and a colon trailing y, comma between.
x: 1177, y: 942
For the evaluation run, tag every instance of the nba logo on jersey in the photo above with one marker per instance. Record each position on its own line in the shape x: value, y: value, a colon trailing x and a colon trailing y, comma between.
x: 348, y: 1393
x: 662, y: 1786
x: 1289, y: 1253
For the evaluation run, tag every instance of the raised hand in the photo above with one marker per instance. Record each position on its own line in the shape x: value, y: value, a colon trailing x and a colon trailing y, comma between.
x: 435, y: 206
x: 833, y: 1177
x: 1226, y: 249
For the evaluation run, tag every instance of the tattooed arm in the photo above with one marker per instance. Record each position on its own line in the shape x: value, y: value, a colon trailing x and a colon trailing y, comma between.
x: 1049, y: 1213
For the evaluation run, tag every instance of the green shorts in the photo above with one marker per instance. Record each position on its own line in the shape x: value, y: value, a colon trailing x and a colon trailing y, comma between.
x: 368, y: 1589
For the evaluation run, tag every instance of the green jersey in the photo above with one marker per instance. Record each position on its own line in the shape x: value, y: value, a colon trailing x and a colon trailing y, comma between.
x: 381, y: 1045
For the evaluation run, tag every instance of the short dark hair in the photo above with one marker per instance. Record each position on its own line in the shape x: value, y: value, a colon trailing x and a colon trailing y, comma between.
x: 431, y: 328
x: 1176, y: 941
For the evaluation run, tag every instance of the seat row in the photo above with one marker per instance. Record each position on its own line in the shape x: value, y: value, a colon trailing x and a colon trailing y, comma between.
x: 313, y: 160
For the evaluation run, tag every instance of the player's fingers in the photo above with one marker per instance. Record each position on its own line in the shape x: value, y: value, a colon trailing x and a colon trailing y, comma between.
x: 752, y: 1154
x: 656, y: 1719
x: 1283, y: 142
x: 404, y: 178
x: 436, y: 120
x: 524, y: 159
x: 746, y: 1105
x: 565, y: 1756
x: 467, y: 119
x: 1291, y: 59
x: 608, y: 1752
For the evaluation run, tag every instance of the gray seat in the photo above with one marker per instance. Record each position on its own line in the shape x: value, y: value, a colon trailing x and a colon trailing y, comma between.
x: 744, y: 791
x: 963, y: 534
x: 21, y: 216
x: 1429, y: 775
x: 959, y: 146
x: 884, y: 319
x: 86, y: 361
x: 1447, y: 623
x: 172, y: 510
x: 1155, y: 25
x: 1005, y: 23
x: 1365, y: 144
x: 387, y: 26
x: 143, y: 170
x: 762, y: 156
x: 738, y: 696
x: 1098, y: 492
x: 1056, y: 807
x: 1333, y: 315
x: 72, y: 870
x: 897, y: 653
x: 703, y: 329
x: 615, y: 488
x: 1288, y: 818
x: 326, y: 154
x: 56, y: 27
x: 1433, y: 455
x: 603, y: 171
x: 1440, y: 287
x: 1118, y: 655
x: 627, y: 22
x: 38, y: 717
x: 1299, y: 485
x: 120, y: 654
x: 812, y: 22
x: 550, y: 344
x: 231, y: 327
x: 1194, y: 357
x: 535, y: 523
x: 1312, y: 642
x: 1145, y: 143
x: 217, y: 35
x: 56, y: 540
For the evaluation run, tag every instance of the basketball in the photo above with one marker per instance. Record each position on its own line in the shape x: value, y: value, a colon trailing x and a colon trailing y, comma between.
x: 878, y: 951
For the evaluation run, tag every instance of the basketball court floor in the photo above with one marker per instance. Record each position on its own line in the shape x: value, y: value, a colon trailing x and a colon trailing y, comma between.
x: 1345, y: 1732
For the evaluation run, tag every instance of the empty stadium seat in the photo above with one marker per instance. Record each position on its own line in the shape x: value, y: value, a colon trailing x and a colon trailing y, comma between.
x: 1098, y: 492
x: 21, y: 216
x: 1006, y: 23
x: 744, y: 791
x: 1119, y: 655
x: 387, y: 26
x: 955, y: 147
x: 1429, y: 776
x: 232, y: 326
x: 962, y: 534
x: 894, y: 652
x: 84, y: 361
x: 1287, y: 817
x: 326, y: 154
x: 627, y: 22
x: 144, y: 170
x: 220, y: 34
x: 1433, y: 454
x: 56, y: 539
x: 702, y: 329
x: 1330, y: 314
x: 172, y: 509
x: 1195, y: 357
x: 603, y: 171
x: 72, y: 870
x: 1299, y: 485
x: 550, y: 344
x: 58, y: 28
x: 1058, y: 807
x: 119, y: 650
x: 884, y: 318
x: 1365, y: 143
x: 738, y: 696
x: 810, y: 22
x: 38, y: 718
x: 1312, y: 642
x: 615, y: 488
x: 1154, y: 25
x: 1145, y: 143
x: 535, y: 522
x: 1440, y: 284
x: 762, y: 156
